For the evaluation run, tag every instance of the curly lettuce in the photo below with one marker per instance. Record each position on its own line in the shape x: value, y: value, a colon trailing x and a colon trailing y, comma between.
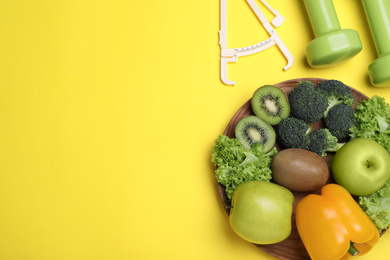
x: 377, y: 207
x: 373, y: 121
x: 236, y: 164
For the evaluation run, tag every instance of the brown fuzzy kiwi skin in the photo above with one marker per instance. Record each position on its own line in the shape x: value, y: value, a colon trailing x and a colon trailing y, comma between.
x: 299, y: 170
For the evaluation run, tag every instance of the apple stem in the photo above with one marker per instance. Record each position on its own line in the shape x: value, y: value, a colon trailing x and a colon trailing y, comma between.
x: 352, y: 250
x: 228, y: 207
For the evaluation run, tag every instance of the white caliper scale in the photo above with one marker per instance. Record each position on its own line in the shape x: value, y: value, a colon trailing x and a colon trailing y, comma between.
x: 231, y: 55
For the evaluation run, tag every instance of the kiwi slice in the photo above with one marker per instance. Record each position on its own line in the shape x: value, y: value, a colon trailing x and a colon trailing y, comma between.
x: 252, y: 129
x: 270, y: 104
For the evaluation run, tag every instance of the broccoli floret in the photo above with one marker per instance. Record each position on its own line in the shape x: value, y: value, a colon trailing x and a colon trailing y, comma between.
x: 322, y: 141
x: 293, y: 133
x: 339, y: 120
x: 336, y: 92
x: 306, y: 103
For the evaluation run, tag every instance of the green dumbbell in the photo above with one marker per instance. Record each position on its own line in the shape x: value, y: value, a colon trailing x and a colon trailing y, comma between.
x: 332, y: 44
x: 378, y: 16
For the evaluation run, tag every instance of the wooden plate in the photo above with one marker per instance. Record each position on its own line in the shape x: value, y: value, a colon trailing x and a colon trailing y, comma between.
x: 292, y: 248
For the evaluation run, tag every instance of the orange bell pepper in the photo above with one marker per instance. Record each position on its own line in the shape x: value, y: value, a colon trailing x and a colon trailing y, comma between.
x: 332, y: 226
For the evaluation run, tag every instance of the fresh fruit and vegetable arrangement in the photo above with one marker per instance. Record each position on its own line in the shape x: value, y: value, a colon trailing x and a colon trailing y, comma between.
x: 301, y: 156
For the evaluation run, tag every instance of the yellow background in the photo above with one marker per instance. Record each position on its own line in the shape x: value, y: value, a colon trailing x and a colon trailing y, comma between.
x: 108, y: 113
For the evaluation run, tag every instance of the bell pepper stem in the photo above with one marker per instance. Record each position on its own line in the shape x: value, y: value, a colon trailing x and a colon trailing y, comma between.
x: 352, y: 250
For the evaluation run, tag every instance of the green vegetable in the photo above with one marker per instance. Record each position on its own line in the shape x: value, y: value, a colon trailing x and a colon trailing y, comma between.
x: 293, y: 133
x: 236, y: 164
x: 339, y: 120
x: 306, y: 103
x: 377, y: 207
x: 322, y: 141
x: 373, y: 121
x: 336, y: 92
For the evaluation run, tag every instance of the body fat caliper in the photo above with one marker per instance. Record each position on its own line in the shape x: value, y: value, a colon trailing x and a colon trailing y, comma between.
x: 231, y: 55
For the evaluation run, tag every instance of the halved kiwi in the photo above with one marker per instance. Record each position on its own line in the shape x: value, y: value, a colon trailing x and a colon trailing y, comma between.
x: 270, y: 104
x: 252, y: 129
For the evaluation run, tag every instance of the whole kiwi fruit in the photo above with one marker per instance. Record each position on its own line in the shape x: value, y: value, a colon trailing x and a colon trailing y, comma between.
x: 299, y: 170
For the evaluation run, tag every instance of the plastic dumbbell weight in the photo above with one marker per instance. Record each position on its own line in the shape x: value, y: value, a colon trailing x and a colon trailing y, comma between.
x: 378, y: 16
x: 332, y: 45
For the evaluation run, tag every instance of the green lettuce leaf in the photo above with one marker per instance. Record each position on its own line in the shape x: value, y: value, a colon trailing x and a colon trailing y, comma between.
x: 236, y: 164
x: 373, y: 118
x: 377, y: 207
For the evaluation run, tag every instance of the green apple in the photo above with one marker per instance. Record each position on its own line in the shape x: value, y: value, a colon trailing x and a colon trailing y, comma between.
x: 362, y: 166
x: 261, y: 212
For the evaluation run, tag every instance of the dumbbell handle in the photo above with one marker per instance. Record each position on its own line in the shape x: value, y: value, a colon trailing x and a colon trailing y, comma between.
x: 322, y: 16
x: 378, y: 16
